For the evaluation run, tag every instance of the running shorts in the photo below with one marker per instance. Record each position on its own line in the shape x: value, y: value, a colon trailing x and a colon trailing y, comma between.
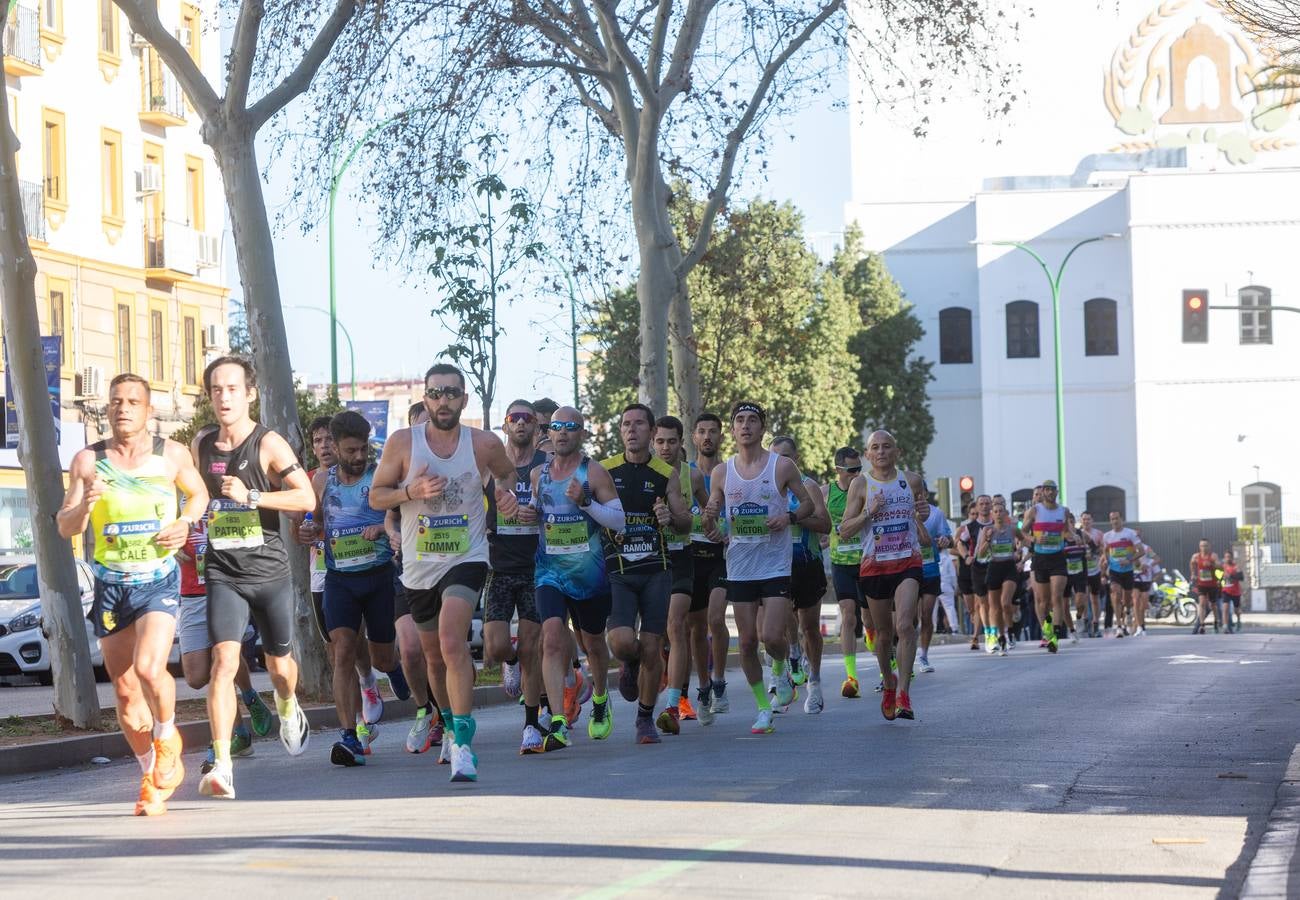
x: 1046, y: 565
x: 807, y: 584
x: 641, y: 595
x: 709, y: 575
x: 979, y: 578
x: 1000, y: 572
x: 465, y: 580
x: 756, y: 591
x: 931, y: 587
x: 268, y: 603
x: 682, y: 566
x: 589, y: 615
x: 351, y: 597
x: 118, y: 605
x: 1122, y: 580
x: 845, y: 580
x: 508, y: 593
x: 883, y: 587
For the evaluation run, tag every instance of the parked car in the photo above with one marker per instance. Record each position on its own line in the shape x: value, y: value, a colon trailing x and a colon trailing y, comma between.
x: 23, y: 648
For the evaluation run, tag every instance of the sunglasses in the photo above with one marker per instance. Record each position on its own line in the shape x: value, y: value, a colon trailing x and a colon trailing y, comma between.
x: 451, y: 393
x: 852, y: 470
x: 520, y: 417
x: 565, y: 426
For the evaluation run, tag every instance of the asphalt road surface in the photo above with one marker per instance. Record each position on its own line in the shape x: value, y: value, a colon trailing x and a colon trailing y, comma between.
x: 1125, y: 767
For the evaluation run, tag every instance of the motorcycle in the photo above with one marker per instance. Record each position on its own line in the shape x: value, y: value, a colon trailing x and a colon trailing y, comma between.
x: 1172, y: 597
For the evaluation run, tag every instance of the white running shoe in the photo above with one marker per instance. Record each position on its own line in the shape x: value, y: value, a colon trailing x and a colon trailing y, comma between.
x: 372, y: 703
x: 784, y: 687
x: 1002, y: 651
x: 763, y: 724
x: 511, y: 680
x: 295, y: 731
x: 532, y: 741
x: 1141, y: 632
x: 448, y: 742
x: 218, y: 783
x: 814, y: 703
x: 420, y: 737
x: 366, y: 734
x: 705, y: 712
x: 464, y: 765
x: 925, y: 664
x: 1074, y: 636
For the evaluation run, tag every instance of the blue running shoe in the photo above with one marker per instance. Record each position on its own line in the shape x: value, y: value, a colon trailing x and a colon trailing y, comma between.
x: 347, y: 751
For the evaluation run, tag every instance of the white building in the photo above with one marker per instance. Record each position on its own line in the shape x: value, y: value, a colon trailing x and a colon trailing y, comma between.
x: 1138, y: 125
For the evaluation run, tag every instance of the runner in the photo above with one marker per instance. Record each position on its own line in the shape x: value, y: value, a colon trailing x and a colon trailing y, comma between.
x: 882, y: 505
x: 936, y: 525
x: 1092, y: 539
x: 686, y: 617
x: 511, y: 587
x: 1144, y: 576
x: 1045, y: 523
x: 750, y: 494
x: 1121, y: 549
x: 968, y: 537
x: 1232, y: 579
x: 965, y: 548
x: 358, y: 578
x: 709, y: 645
x: 544, y: 409
x: 1204, y: 568
x: 807, y: 578
x: 573, y: 499
x: 846, y: 559
x: 125, y: 490
x: 999, y: 541
x: 1076, y: 577
x: 435, y: 474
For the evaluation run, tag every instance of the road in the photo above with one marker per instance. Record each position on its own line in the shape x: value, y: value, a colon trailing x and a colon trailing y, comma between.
x: 1127, y: 767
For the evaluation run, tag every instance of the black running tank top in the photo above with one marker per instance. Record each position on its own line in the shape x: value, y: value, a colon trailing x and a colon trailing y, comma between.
x: 243, y: 544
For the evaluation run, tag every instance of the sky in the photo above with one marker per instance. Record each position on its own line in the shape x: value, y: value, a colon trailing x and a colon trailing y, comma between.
x: 388, y: 315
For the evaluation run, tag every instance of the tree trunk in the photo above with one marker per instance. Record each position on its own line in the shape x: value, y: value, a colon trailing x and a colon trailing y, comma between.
x: 686, y: 362
x: 255, y: 253
x: 655, y: 287
x: 64, y: 625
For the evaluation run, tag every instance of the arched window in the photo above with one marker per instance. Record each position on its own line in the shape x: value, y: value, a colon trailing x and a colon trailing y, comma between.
x: 1261, y: 504
x: 1100, y: 327
x: 1022, y: 329
x: 955, y: 336
x: 1256, y: 315
x: 1105, y: 499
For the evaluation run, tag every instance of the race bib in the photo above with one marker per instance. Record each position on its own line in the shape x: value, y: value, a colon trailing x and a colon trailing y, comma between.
x: 1074, y: 565
x: 1002, y: 549
x: 892, y: 541
x: 748, y: 523
x: 927, y: 555
x: 441, y: 537
x: 845, y: 551
x: 234, y: 526
x: 318, y: 554
x: 129, y: 546
x: 640, y: 537
x: 512, y: 525
x: 566, y: 534
x: 200, y: 563
x: 697, y: 527
x: 350, y: 550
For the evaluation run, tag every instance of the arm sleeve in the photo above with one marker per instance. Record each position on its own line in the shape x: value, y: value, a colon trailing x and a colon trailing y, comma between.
x: 609, y: 515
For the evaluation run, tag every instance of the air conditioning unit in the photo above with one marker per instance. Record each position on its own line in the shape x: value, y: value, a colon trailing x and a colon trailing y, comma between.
x: 149, y: 180
x: 90, y: 383
x: 211, y: 337
x: 209, y: 251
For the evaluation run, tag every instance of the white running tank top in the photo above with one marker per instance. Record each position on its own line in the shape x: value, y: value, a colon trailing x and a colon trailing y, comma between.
x: 447, y: 530
x: 754, y: 553
x: 890, y: 542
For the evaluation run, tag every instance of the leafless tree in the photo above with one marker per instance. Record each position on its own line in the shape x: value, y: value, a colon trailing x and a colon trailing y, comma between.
x: 1276, y: 25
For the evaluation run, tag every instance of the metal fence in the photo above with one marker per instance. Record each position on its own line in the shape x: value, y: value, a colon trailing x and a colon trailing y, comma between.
x: 23, y: 36
x: 1175, y: 541
x: 33, y: 197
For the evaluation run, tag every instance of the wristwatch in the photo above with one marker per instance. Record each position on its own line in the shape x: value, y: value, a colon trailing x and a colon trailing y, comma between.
x: 254, y: 497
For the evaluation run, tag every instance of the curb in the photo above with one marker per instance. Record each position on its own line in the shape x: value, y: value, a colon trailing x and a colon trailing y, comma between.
x: 63, y: 753
x: 1275, y: 869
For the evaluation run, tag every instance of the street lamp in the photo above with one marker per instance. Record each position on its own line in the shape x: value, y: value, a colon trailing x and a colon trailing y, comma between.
x: 573, y: 319
x: 352, y: 357
x: 1054, y: 282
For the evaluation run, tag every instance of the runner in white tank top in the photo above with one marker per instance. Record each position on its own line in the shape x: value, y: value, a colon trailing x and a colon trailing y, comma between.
x: 751, y: 492
x: 435, y: 473
x: 882, y: 505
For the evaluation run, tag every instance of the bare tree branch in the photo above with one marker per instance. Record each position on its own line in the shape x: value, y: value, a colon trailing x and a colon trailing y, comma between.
x: 602, y: 112
x: 657, y: 40
x: 300, y: 78
x: 143, y: 16
x: 686, y: 46
x: 607, y: 15
x: 243, y: 53
x: 592, y: 56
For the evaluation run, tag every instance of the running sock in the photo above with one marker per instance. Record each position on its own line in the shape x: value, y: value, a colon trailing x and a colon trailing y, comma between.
x: 284, y: 706
x: 545, y: 702
x: 530, y: 717
x: 164, y: 730
x: 146, y: 761
x: 760, y: 695
x: 851, y: 665
x: 368, y: 681
x: 778, y: 666
x: 221, y: 752
x: 674, y: 697
x: 464, y: 727
x: 428, y: 708
x: 448, y: 720
x: 643, y: 711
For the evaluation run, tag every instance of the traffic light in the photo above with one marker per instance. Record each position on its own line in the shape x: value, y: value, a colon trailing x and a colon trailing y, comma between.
x: 1196, y: 324
x: 967, y: 486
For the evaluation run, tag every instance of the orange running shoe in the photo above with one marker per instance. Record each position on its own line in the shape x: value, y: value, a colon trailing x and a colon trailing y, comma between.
x: 573, y: 708
x: 685, y: 711
x: 168, y: 770
x: 888, y: 698
x: 151, y: 801
x: 904, y: 708
x: 850, y: 688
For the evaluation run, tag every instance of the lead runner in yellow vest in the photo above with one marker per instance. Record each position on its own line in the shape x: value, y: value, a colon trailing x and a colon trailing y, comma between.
x: 125, y: 488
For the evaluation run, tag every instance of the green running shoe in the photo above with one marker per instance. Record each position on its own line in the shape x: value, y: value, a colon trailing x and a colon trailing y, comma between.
x: 601, y: 723
x: 241, y: 741
x: 260, y: 715
x: 557, y: 739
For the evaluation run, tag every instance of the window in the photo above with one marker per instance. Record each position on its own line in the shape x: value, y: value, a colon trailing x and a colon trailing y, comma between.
x: 56, y: 158
x: 1022, y: 330
x: 108, y: 34
x: 1020, y: 501
x: 111, y: 174
x: 158, y: 341
x: 52, y: 16
x: 153, y: 210
x: 60, y: 310
x: 1100, y: 327
x: 955, y: 336
x: 125, y: 315
x: 190, y: 346
x: 194, y: 192
x: 1256, y: 317
x: 1261, y: 504
x: 1105, y: 499
x: 189, y: 33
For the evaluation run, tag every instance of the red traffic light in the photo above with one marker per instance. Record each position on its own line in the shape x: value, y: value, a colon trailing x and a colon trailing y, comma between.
x: 966, y: 483
x: 1195, y: 302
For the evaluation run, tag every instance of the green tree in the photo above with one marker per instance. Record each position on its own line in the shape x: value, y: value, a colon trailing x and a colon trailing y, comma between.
x: 891, y: 389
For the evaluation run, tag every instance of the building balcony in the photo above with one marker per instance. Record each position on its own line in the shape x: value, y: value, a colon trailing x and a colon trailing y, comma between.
x: 171, y: 251
x: 33, y: 196
x: 162, y: 102
x: 23, y: 42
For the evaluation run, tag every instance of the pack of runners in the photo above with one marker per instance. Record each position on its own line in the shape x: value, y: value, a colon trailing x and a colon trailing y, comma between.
x: 636, y: 558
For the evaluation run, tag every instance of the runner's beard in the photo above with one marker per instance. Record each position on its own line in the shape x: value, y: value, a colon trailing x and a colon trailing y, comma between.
x: 450, y: 426
x: 354, y: 469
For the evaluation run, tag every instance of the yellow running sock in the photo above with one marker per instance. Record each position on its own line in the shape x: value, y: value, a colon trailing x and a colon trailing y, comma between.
x: 851, y: 665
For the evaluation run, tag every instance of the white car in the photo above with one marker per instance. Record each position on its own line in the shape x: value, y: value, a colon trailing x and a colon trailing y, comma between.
x: 23, y: 649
